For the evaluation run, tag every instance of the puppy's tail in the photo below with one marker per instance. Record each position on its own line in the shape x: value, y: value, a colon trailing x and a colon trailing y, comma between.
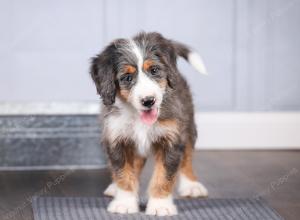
x: 191, y: 56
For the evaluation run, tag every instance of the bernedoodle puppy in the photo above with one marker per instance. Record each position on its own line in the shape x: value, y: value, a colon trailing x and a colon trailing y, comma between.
x: 147, y: 109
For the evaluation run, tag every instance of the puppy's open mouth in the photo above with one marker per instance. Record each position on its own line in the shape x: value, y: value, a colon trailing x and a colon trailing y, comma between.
x: 149, y: 116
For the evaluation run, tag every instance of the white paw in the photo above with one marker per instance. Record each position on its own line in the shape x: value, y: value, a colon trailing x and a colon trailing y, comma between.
x: 195, y: 189
x: 161, y: 207
x: 124, y: 202
x: 111, y: 190
x: 188, y: 188
x: 122, y: 207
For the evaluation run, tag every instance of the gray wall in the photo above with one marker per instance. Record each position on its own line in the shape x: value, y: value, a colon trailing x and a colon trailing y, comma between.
x: 251, y: 48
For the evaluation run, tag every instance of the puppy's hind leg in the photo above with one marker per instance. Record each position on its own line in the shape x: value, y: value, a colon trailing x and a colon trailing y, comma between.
x: 188, y: 186
x: 111, y: 190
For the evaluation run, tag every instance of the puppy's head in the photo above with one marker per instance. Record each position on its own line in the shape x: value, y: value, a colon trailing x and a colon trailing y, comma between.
x: 139, y: 71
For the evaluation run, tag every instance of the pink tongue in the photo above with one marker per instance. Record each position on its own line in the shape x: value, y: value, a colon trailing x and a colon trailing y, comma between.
x: 149, y: 117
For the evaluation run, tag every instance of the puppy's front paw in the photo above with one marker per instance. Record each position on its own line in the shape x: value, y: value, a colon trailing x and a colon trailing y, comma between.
x: 124, y: 202
x: 122, y: 207
x: 161, y: 207
x: 111, y: 190
x: 189, y: 188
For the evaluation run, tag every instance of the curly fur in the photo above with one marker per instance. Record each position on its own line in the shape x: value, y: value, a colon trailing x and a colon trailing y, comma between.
x: 171, y: 138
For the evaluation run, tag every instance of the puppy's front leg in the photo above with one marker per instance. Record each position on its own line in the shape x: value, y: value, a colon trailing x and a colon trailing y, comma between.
x: 121, y: 158
x: 167, y: 160
x: 138, y: 165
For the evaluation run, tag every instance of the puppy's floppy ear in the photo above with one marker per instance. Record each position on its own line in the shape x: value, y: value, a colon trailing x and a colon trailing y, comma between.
x: 103, y: 74
x: 172, y: 76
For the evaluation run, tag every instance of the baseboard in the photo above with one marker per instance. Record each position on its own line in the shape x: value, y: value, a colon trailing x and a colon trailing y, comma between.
x: 49, y: 108
x: 261, y: 130
x: 216, y: 130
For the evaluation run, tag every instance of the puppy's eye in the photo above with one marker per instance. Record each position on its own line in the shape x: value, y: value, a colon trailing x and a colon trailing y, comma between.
x: 154, y: 70
x: 126, y: 77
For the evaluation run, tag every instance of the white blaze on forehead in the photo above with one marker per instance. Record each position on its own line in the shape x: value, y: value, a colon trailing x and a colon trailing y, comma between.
x: 144, y: 86
x: 136, y: 50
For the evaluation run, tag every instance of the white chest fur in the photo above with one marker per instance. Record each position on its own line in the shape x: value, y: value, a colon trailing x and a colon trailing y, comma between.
x: 127, y: 124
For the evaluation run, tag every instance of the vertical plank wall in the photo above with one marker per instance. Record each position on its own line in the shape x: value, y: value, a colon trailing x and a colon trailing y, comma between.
x: 251, y: 48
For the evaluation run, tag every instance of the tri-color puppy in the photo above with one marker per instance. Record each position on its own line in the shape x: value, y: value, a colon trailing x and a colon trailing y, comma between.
x: 147, y: 108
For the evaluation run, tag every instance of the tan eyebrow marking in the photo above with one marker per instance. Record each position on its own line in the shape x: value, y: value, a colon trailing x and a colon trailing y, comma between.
x: 147, y: 64
x: 129, y: 69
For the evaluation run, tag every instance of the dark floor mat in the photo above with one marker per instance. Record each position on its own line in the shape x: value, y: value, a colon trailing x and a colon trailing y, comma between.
x: 76, y: 208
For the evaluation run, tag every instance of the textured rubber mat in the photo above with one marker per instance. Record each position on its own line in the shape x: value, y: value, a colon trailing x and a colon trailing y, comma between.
x: 77, y: 208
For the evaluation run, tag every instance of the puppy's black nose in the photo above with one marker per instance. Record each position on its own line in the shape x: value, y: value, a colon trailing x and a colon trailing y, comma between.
x: 148, y: 101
